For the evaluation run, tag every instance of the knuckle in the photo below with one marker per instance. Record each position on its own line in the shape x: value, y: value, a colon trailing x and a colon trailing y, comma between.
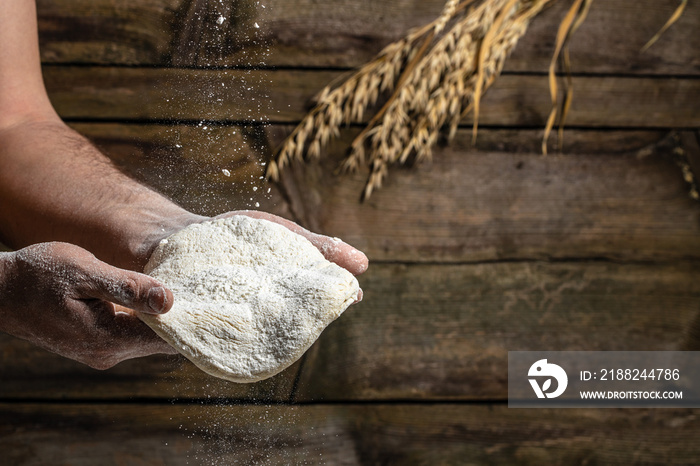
x: 128, y: 290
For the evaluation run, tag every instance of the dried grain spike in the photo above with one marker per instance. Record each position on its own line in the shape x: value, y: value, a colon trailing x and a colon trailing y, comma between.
x: 447, y: 13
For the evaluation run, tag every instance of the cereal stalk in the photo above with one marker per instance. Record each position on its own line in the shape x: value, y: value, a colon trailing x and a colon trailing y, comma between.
x: 430, y: 80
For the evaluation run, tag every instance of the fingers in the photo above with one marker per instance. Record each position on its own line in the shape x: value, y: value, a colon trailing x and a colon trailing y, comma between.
x: 69, y: 302
x: 145, y: 341
x: 334, y: 249
x: 360, y: 295
x: 129, y: 289
x: 119, y: 336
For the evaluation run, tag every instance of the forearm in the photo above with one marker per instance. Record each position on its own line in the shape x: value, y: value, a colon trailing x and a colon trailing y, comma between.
x: 55, y: 186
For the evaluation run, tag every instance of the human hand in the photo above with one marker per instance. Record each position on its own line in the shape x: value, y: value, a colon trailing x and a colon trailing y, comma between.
x: 62, y: 298
x: 334, y: 249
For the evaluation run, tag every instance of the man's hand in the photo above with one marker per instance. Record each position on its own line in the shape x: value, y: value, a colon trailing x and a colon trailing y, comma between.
x: 60, y: 297
x: 334, y: 249
x: 55, y: 186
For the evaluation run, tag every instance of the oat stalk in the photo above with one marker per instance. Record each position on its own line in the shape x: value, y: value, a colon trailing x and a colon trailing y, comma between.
x: 429, y: 81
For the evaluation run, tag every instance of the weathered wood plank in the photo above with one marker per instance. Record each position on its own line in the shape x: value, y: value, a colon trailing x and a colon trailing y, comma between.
x: 172, y: 150
x: 187, y: 163
x: 107, y: 31
x: 27, y: 371
x: 283, y: 96
x: 444, y: 332
x: 343, y: 33
x: 344, y: 435
x: 471, y: 206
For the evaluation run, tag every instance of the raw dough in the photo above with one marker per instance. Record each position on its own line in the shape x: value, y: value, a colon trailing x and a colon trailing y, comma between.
x: 250, y: 296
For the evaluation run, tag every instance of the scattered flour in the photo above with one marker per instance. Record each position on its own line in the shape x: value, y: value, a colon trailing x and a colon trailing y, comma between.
x: 250, y: 296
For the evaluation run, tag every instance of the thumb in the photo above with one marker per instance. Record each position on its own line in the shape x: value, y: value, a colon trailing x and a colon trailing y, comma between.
x: 129, y: 289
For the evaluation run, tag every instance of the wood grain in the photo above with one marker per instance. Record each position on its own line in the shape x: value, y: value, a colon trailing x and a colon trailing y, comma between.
x: 474, y: 206
x: 107, y: 31
x: 344, y: 435
x: 343, y: 33
x: 187, y: 163
x: 100, y: 93
x: 444, y: 332
x: 474, y: 254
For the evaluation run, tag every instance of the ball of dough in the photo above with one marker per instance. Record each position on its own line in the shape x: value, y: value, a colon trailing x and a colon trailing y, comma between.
x: 250, y: 296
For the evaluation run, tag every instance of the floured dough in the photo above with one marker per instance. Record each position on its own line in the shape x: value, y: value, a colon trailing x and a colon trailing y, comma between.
x: 250, y: 296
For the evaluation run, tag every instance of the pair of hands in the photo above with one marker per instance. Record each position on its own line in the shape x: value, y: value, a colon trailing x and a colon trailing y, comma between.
x: 54, y: 185
x: 62, y: 298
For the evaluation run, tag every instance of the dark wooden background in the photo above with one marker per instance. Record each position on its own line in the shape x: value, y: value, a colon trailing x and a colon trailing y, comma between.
x: 482, y: 251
